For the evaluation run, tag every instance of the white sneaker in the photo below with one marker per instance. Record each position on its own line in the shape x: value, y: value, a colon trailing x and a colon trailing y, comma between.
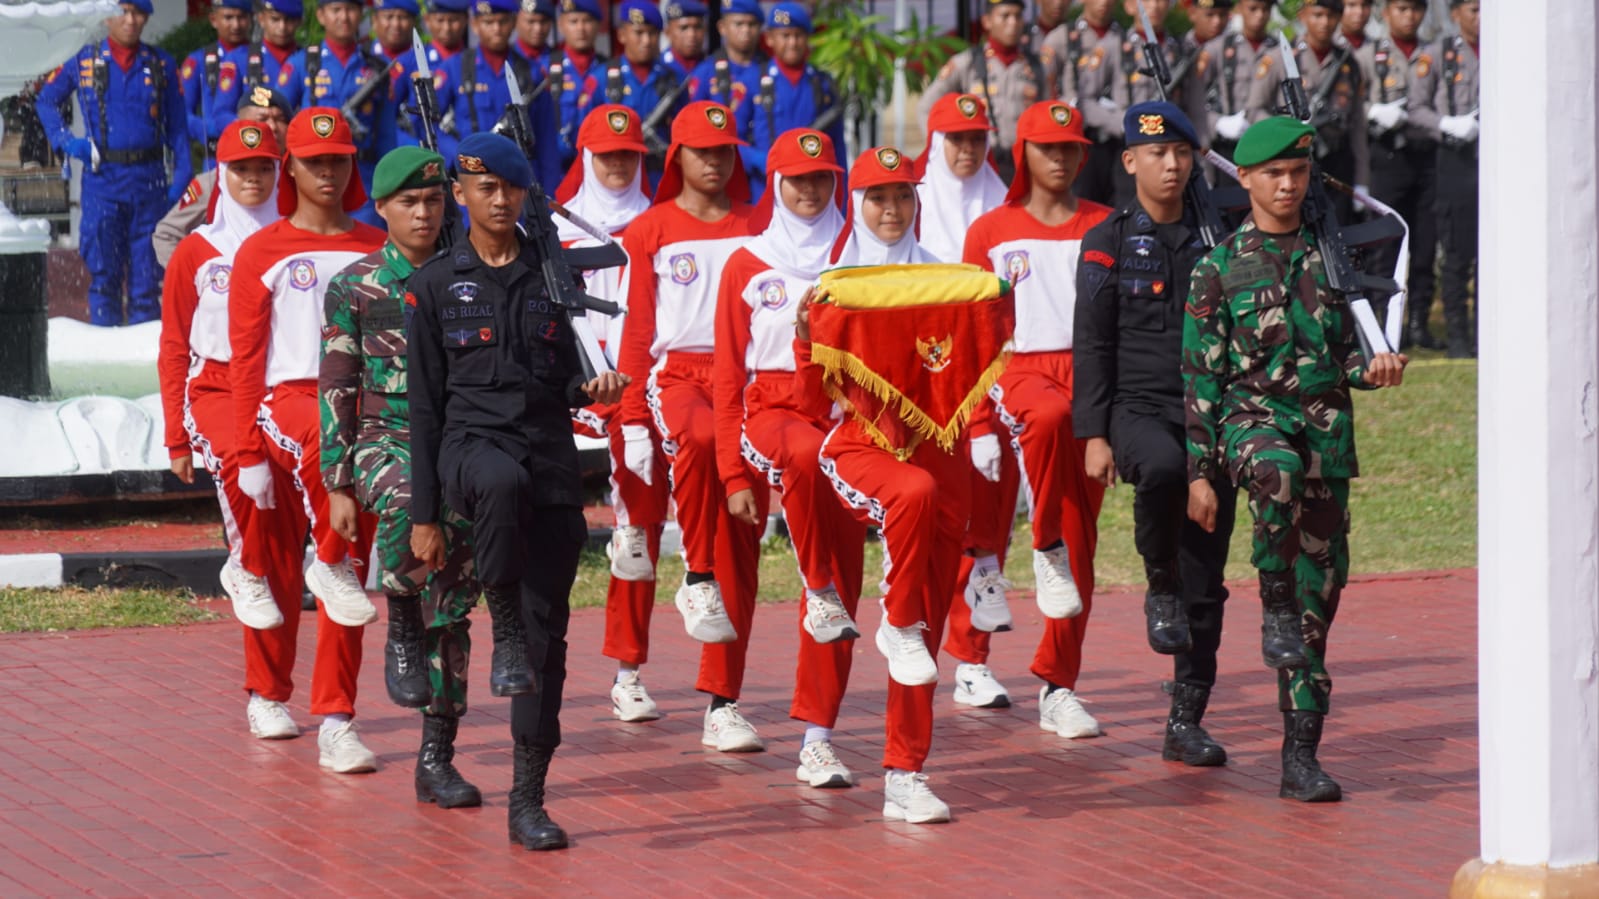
x: 819, y: 766
x: 630, y: 701
x: 270, y: 720
x: 1057, y: 592
x: 975, y: 686
x: 341, y: 593
x: 704, y: 617
x: 906, y: 797
x: 826, y: 619
x: 252, y: 598
x: 727, y: 731
x: 629, y: 551
x: 909, y: 662
x: 343, y: 752
x: 1063, y: 713
x: 985, y: 596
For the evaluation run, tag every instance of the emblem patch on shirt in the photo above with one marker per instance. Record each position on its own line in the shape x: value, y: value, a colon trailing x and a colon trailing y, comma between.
x: 470, y: 337
x: 302, y: 274
x: 684, y: 269
x: 773, y: 293
x: 550, y: 331
x: 935, y: 353
x: 1142, y: 244
x: 465, y: 291
x: 1099, y: 257
x: 220, y: 276
x: 1018, y: 266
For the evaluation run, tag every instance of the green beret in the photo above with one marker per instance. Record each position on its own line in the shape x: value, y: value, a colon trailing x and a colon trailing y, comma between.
x: 405, y: 168
x: 1278, y: 137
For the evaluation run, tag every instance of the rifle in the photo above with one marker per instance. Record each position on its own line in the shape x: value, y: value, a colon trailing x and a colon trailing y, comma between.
x: 1337, y: 241
x: 427, y: 109
x: 358, y: 128
x: 207, y: 99
x: 652, y: 122
x: 562, y: 267
x: 1197, y: 191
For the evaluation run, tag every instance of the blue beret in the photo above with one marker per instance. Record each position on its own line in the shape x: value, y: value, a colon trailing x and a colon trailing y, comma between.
x: 638, y: 12
x: 409, y: 6
x: 485, y: 7
x: 741, y: 8
x: 789, y: 15
x: 294, y: 9
x: 1158, y: 122
x: 545, y: 8
x: 144, y: 6
x: 592, y: 7
x: 487, y: 153
x: 685, y: 9
x: 456, y: 6
x: 245, y: 5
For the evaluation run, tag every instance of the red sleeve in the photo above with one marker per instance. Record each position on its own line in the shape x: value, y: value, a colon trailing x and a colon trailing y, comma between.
x: 249, y: 334
x: 178, y: 301
x: 975, y: 250
x: 730, y: 372
x: 638, y: 327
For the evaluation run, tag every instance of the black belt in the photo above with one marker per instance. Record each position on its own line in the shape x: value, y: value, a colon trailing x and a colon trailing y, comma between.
x: 133, y: 157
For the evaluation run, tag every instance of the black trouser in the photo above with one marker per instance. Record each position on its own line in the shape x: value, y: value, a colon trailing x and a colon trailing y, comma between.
x: 1407, y: 179
x: 1457, y: 233
x: 1151, y: 454
x: 1096, y: 181
x: 536, y: 546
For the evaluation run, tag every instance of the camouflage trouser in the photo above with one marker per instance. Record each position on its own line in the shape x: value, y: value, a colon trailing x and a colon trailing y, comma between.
x: 383, y: 485
x: 1302, y: 526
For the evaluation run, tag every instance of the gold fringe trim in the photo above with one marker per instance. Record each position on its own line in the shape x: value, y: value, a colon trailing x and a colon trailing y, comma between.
x: 837, y: 363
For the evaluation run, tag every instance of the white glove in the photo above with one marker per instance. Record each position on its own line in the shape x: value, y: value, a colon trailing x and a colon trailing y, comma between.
x: 1108, y: 103
x: 1385, y: 117
x: 256, y: 482
x: 985, y: 455
x: 1231, y: 127
x: 638, y: 452
x: 1460, y: 127
x: 1360, y: 189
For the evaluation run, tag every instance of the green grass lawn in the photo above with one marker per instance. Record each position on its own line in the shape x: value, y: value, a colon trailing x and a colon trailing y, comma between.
x: 73, y: 608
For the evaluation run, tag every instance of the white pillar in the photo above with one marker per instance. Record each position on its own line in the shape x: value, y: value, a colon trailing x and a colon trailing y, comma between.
x: 1538, y: 439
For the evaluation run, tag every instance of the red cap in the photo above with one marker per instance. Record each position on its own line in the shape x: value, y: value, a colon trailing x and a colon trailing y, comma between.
x: 951, y: 114
x: 1049, y: 122
x: 247, y: 140
x: 319, y: 131
x: 701, y: 125
x: 875, y: 167
x: 797, y: 151
x: 605, y: 129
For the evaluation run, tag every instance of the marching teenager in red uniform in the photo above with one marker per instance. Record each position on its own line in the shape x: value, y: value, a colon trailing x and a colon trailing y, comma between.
x: 1034, y: 240
x: 959, y: 185
x: 195, y: 391
x: 676, y: 253
x: 275, y: 330
x: 605, y: 186
x: 764, y: 439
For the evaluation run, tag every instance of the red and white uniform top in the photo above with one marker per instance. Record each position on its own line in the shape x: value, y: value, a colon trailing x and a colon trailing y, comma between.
x: 674, y: 271
x: 1040, y: 261
x: 276, y: 312
x: 194, y: 327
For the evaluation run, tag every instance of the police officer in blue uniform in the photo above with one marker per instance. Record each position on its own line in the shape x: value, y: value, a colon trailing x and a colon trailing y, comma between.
x: 732, y: 75
x: 202, y: 74
x: 393, y: 32
x: 135, y: 129
x: 342, y: 73
x: 792, y: 93
x: 643, y: 82
x: 473, y: 94
x: 258, y: 63
x: 535, y: 21
x: 580, y: 87
x: 685, y: 37
x: 447, y: 27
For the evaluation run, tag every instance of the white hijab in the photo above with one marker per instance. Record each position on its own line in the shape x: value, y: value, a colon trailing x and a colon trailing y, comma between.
x: 606, y: 208
x: 952, y: 202
x: 232, y: 221
x: 865, y: 248
x: 797, y: 247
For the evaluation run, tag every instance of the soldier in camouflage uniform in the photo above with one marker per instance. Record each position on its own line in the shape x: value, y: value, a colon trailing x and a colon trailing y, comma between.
x: 1269, y: 357
x: 366, y: 459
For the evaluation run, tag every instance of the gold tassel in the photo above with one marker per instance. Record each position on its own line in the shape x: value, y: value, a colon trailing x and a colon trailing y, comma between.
x: 836, y: 362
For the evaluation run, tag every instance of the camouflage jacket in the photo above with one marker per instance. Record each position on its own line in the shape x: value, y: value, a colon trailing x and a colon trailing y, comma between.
x: 1266, y: 344
x: 361, y: 382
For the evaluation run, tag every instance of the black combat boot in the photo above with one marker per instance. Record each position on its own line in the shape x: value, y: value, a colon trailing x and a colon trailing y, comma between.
x: 508, y: 674
x: 1165, y: 619
x: 436, y: 777
x: 1282, y: 639
x: 1186, y: 740
x: 1303, y: 778
x: 530, y: 824
x: 404, y: 667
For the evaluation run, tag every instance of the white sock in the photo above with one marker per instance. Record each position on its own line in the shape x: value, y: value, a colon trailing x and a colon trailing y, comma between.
x: 623, y: 671
x: 331, y: 722
x: 811, y: 594
x: 898, y: 772
x: 814, y: 734
x: 988, y: 564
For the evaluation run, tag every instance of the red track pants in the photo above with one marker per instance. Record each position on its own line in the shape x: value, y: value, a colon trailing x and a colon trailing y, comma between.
x: 1034, y: 399
x: 921, y: 506
x: 629, y: 604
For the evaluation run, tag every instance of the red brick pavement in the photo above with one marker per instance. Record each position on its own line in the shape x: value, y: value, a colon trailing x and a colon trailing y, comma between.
x: 126, y: 769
